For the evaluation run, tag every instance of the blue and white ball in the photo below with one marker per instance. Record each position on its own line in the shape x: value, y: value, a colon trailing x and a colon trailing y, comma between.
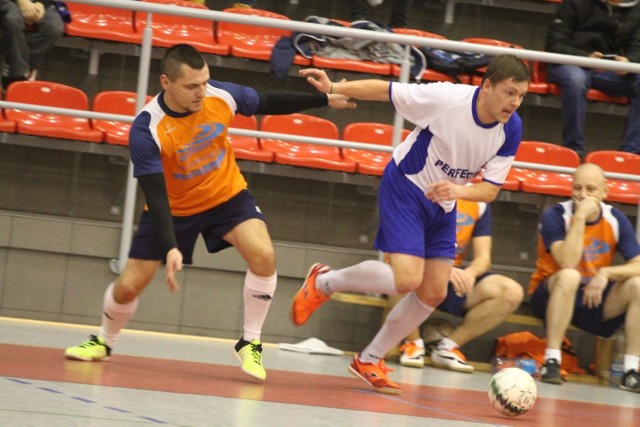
x: 512, y: 392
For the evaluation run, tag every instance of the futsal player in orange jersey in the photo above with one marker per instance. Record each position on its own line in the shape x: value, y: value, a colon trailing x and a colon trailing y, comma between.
x: 193, y: 186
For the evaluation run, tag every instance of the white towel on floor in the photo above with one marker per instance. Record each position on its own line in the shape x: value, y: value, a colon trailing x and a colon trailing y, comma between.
x: 312, y: 346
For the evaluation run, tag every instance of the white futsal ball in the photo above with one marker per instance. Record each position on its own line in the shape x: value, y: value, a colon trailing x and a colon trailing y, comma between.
x: 512, y: 391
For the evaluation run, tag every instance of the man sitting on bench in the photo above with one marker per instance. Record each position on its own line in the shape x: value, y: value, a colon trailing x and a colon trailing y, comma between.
x: 575, y: 281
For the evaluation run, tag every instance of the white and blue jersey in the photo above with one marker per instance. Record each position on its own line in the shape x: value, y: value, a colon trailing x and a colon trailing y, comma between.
x: 449, y: 143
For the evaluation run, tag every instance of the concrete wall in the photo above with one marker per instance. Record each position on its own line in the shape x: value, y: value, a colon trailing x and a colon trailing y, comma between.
x: 57, y: 270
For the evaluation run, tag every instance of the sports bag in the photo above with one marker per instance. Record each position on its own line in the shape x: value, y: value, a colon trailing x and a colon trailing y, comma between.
x: 455, y: 63
x: 526, y: 345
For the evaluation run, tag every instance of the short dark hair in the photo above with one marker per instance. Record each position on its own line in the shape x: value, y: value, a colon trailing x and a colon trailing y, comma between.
x: 505, y: 67
x: 181, y: 54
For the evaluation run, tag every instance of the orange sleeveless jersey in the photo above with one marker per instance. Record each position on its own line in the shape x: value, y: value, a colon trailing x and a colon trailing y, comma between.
x: 197, y: 160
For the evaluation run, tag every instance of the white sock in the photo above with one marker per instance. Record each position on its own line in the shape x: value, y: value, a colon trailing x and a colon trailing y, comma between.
x: 257, y: 295
x: 447, y: 344
x: 370, y: 276
x: 553, y: 353
x: 630, y: 362
x: 403, y: 318
x: 115, y: 316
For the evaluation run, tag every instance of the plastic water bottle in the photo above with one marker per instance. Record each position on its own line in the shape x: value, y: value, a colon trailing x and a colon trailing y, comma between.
x: 617, y: 362
x: 528, y: 365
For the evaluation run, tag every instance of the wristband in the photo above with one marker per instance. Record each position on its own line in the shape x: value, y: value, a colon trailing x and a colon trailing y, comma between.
x: 333, y: 88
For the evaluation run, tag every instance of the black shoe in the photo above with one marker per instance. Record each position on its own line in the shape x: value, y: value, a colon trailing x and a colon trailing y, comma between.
x: 631, y: 381
x: 550, y: 372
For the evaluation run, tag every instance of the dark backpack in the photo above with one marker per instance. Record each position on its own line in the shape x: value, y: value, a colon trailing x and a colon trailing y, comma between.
x: 455, y: 63
x: 63, y: 11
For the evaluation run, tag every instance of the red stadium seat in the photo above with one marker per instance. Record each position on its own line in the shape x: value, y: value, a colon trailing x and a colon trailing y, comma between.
x: 248, y: 147
x: 593, y: 95
x: 252, y: 41
x: 115, y: 102
x: 619, y: 162
x: 6, y: 125
x: 429, y: 74
x: 99, y: 22
x: 301, y: 154
x: 535, y: 86
x: 539, y: 82
x: 369, y: 162
x: 169, y: 30
x: 51, y: 125
x: 540, y: 182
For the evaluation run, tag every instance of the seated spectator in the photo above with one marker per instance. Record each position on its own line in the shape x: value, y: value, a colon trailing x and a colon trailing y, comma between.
x: 595, y: 28
x: 23, y: 52
x: 482, y: 298
x: 397, y: 19
x: 575, y: 281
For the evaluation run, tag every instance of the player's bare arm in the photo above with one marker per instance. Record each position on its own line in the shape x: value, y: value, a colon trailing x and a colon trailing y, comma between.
x: 462, y: 281
x: 592, y: 296
x: 568, y: 252
x: 593, y: 291
x: 341, y: 102
x: 481, y: 262
x: 622, y: 272
x: 442, y: 191
x: 365, y: 90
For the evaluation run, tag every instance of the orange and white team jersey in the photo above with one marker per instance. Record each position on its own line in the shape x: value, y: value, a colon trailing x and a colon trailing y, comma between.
x: 473, y: 220
x: 191, y: 149
x: 611, y: 233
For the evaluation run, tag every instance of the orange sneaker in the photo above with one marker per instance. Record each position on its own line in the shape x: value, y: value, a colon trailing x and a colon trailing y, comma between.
x: 308, y: 298
x: 450, y: 359
x: 374, y: 374
x: 411, y: 354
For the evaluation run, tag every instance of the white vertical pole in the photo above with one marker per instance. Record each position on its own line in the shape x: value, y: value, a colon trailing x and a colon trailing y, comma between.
x: 117, y: 266
x: 398, y: 120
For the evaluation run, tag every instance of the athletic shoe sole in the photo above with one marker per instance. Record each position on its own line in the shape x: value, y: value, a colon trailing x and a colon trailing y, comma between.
x: 384, y: 390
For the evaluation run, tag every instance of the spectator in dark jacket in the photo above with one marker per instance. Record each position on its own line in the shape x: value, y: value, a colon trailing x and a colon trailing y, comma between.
x: 608, y: 29
x: 23, y: 54
x: 397, y: 19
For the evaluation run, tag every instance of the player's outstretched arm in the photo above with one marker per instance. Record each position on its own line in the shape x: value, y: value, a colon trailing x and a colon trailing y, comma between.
x: 365, y: 90
x: 443, y: 191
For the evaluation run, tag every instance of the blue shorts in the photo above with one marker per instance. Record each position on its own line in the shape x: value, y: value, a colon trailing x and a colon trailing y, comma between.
x: 454, y: 304
x: 409, y: 222
x: 587, y: 319
x: 212, y: 225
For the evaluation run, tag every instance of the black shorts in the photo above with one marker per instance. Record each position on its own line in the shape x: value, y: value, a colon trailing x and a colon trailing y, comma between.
x: 454, y: 304
x: 585, y: 318
x: 212, y: 225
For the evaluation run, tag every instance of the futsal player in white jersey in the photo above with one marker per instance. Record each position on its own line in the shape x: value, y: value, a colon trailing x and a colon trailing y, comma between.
x: 461, y: 130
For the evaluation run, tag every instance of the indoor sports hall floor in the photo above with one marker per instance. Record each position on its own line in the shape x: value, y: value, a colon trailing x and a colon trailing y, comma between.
x: 177, y: 380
